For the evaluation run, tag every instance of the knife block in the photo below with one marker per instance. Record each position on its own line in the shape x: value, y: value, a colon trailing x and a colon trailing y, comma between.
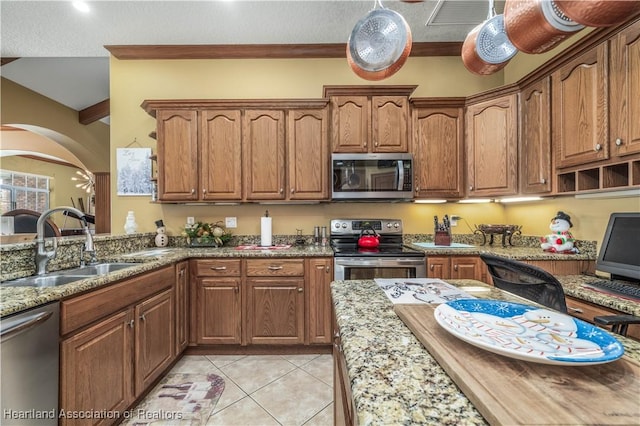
x: 442, y: 238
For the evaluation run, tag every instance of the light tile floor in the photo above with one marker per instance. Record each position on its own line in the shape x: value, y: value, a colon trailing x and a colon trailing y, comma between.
x: 263, y: 390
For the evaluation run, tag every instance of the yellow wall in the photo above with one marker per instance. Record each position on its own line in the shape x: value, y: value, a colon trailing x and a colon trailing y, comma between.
x: 90, y: 143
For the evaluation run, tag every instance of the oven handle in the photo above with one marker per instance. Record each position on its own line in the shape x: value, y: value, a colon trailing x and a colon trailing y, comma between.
x: 380, y: 261
x: 400, y: 175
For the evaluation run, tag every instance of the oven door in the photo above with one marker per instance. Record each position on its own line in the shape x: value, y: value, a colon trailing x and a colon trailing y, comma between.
x: 368, y: 268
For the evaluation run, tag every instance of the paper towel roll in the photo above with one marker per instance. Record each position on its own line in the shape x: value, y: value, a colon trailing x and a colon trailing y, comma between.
x: 265, y: 231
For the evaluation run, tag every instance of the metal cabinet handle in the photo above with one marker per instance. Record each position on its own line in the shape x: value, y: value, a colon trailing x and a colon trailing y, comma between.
x: 431, y: 267
x: 576, y: 310
x: 218, y: 268
x: 274, y: 268
x: 281, y: 190
x: 181, y: 273
x: 618, y: 142
x: 132, y: 324
x: 598, y: 147
x: 375, y: 143
x: 236, y: 289
x: 455, y: 267
x: 193, y: 190
x: 204, y: 190
x: 143, y: 318
x: 293, y: 191
x: 24, y: 326
x: 327, y: 269
x: 300, y: 290
x: 543, y: 180
x: 470, y: 187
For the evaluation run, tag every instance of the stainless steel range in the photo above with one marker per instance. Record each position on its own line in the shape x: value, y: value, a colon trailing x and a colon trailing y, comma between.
x: 390, y: 259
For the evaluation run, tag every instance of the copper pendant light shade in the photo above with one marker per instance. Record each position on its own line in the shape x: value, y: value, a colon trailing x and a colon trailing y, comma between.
x: 598, y: 13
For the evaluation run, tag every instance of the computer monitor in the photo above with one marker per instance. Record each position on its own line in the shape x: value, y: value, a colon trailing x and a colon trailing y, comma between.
x: 619, y: 254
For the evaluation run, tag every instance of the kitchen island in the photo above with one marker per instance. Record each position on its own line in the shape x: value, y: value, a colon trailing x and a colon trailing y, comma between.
x: 393, y: 379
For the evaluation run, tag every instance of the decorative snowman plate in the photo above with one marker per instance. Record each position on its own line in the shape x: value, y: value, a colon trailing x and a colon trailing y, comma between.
x: 527, y: 332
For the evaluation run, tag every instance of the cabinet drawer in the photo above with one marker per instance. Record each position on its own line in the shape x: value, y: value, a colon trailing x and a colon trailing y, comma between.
x: 87, y: 308
x: 275, y: 267
x: 217, y: 268
x: 586, y: 311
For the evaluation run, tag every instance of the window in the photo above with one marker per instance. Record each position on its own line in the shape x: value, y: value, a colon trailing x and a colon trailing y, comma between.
x: 23, y: 191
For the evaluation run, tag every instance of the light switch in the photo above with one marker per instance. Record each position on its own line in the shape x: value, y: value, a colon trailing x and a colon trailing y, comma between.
x: 230, y: 222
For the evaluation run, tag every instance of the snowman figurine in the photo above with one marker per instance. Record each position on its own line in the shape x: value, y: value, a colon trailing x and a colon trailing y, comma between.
x: 560, y: 240
x: 161, y: 238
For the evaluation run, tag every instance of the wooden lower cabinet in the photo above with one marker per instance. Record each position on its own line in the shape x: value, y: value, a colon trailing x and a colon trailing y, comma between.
x: 219, y: 312
x: 319, y: 274
x: 342, y: 398
x: 274, y: 301
x: 275, y: 311
x: 456, y: 268
x: 154, y: 338
x: 97, y: 370
x: 587, y: 311
x: 108, y: 360
x: 182, y: 306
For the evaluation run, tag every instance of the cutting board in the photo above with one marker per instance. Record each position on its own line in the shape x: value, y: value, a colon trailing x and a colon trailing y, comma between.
x: 507, y: 391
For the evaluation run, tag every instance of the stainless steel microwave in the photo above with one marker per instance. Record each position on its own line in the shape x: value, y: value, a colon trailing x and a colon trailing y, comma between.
x: 372, y: 176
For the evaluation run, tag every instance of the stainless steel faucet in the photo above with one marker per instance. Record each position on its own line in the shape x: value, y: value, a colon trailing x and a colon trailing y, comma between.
x: 43, y: 256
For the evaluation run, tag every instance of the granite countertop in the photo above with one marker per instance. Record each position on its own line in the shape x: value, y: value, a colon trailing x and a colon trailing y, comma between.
x: 511, y: 252
x: 394, y: 379
x: 16, y: 299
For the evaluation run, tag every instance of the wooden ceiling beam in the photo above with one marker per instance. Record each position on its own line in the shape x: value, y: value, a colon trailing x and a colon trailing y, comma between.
x: 263, y: 51
x: 94, y: 112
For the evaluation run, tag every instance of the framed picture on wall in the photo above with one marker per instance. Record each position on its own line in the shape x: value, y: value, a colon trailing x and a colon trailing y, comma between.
x: 134, y: 171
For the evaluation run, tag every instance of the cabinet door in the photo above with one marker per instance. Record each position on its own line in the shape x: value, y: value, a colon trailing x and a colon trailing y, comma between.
x: 580, y: 120
x: 438, y: 152
x: 182, y: 306
x: 438, y: 267
x: 350, y: 130
x: 96, y: 368
x: 466, y: 268
x: 320, y: 275
x: 308, y: 154
x: 389, y: 123
x: 177, y: 155
x: 492, y: 147
x: 275, y: 311
x: 218, y: 312
x: 535, y: 138
x: 220, y: 155
x: 155, y: 339
x: 624, y: 91
x: 263, y: 147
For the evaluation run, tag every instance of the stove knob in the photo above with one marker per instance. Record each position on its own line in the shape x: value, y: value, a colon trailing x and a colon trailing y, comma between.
x: 396, y: 225
x: 344, y: 226
x: 389, y: 225
x: 336, y: 225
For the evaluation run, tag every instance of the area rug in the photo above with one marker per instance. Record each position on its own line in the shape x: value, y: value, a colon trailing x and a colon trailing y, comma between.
x: 179, y: 399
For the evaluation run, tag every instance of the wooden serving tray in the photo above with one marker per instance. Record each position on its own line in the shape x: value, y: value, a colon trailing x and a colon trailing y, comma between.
x: 508, y: 391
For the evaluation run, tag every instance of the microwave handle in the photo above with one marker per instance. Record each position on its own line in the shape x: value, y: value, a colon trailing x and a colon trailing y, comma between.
x: 400, y: 175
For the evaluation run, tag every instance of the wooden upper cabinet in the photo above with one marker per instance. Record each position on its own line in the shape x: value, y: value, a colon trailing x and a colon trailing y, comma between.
x: 535, y: 138
x: 389, y: 121
x: 580, y: 119
x: 220, y: 154
x: 438, y: 149
x: 263, y: 145
x: 308, y: 154
x: 492, y: 147
x: 350, y: 130
x: 624, y: 75
x: 369, y: 118
x: 177, y: 155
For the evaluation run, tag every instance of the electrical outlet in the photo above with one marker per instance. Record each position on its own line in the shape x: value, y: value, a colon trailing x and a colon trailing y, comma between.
x: 454, y: 220
x: 191, y: 220
x: 230, y: 222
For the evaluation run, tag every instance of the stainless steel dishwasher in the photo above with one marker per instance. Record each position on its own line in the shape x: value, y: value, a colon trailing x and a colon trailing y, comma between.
x: 30, y: 363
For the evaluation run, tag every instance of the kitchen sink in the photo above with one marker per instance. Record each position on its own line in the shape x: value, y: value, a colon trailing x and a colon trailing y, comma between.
x: 68, y: 275
x: 99, y: 269
x: 50, y: 280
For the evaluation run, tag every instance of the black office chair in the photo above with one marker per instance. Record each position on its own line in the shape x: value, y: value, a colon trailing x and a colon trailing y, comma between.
x: 526, y: 281
x: 24, y: 222
x: 540, y: 286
